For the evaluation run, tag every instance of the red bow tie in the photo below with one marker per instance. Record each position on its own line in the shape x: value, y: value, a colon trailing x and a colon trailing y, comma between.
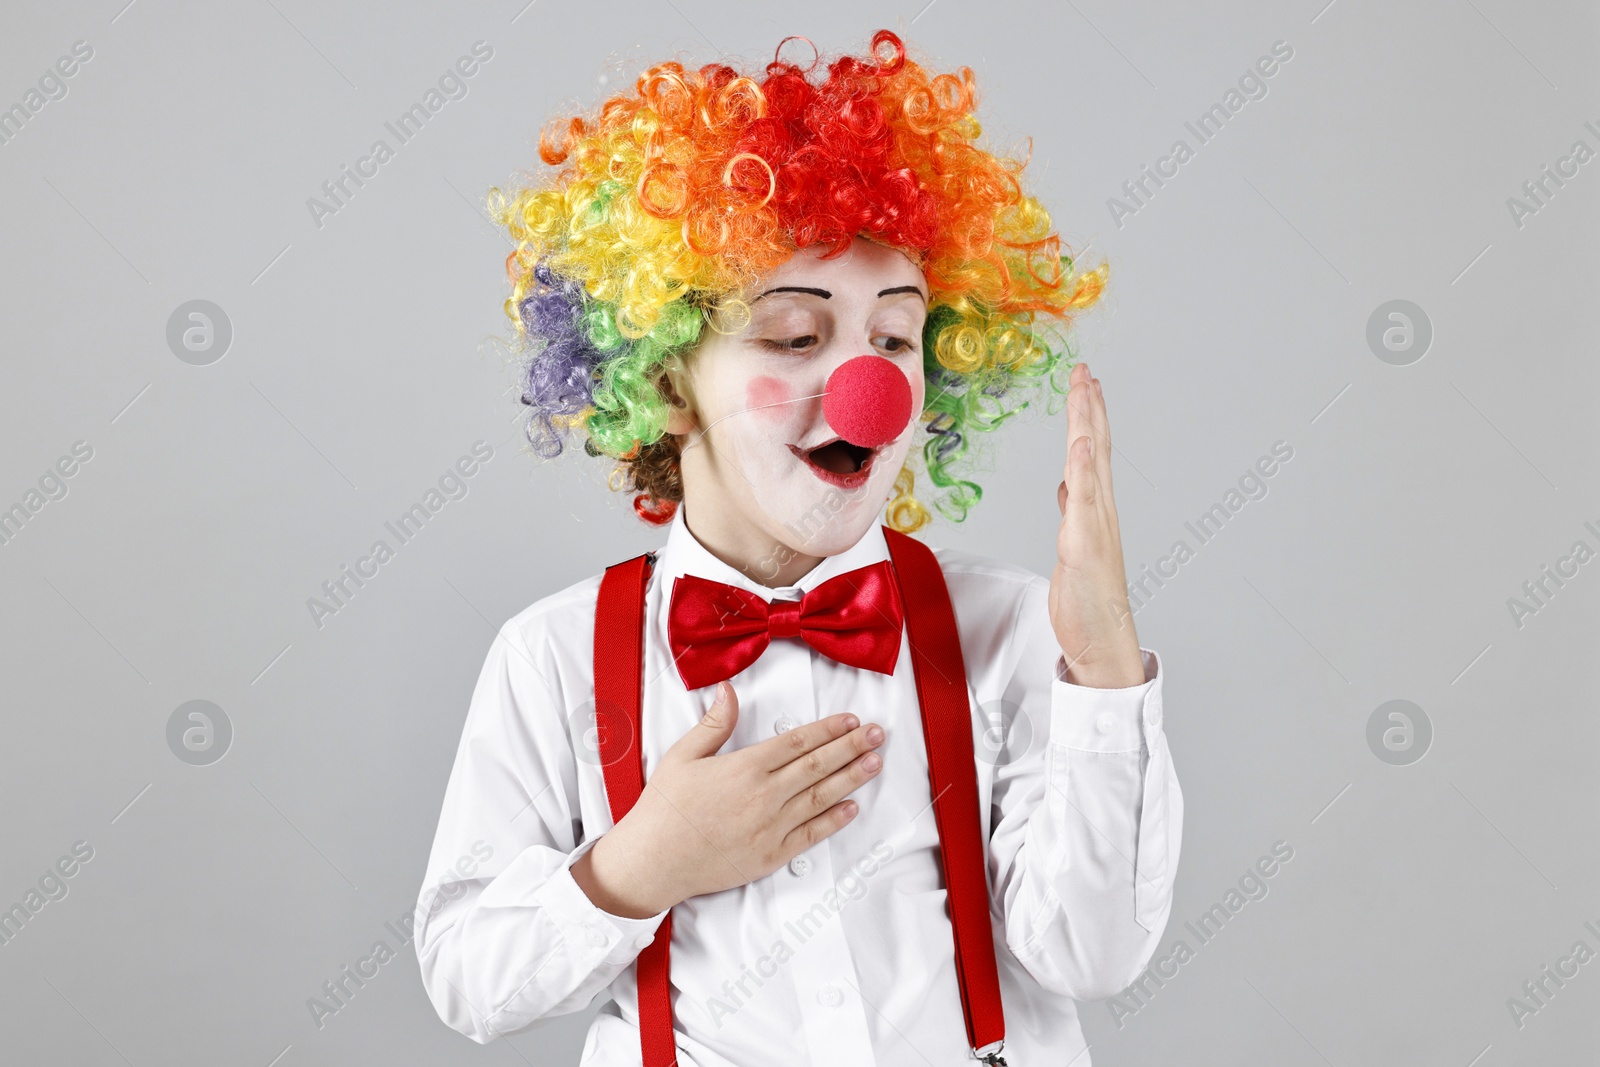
x: 717, y: 630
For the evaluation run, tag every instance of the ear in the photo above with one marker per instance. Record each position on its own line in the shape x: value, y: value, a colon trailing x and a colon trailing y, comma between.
x: 682, y: 415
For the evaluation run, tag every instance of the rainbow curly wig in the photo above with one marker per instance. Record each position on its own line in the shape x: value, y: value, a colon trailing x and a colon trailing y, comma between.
x: 674, y: 197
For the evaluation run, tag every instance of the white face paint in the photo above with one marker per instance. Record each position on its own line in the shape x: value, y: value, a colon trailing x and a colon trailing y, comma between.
x: 763, y: 485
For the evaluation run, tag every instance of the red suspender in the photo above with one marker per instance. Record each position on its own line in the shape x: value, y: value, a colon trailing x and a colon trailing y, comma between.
x: 618, y: 701
x: 941, y: 680
x: 941, y: 677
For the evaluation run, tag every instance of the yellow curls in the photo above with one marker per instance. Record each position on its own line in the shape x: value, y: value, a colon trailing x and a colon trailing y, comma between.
x: 905, y: 514
x: 1089, y: 287
x: 569, y: 422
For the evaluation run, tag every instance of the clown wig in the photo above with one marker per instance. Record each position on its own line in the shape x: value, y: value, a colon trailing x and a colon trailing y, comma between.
x: 671, y: 199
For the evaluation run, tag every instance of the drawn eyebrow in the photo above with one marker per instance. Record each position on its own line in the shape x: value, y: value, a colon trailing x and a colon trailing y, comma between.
x: 827, y: 295
x: 799, y: 289
x: 903, y: 289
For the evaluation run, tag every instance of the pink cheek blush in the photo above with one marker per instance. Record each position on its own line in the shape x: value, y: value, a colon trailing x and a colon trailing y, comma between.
x: 768, y: 397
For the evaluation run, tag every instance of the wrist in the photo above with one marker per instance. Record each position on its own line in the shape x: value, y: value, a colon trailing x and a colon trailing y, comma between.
x: 1122, y: 671
x: 610, y: 878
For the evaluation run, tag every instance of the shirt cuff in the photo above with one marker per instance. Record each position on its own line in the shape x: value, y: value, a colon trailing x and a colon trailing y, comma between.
x: 619, y: 938
x: 1106, y: 720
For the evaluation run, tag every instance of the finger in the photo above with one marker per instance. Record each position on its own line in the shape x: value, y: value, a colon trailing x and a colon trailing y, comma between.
x: 1076, y: 414
x: 776, y: 752
x: 1080, y: 419
x: 713, y: 729
x: 1082, y: 519
x: 807, y: 770
x: 1081, y: 403
x: 1083, y: 400
x: 818, y: 829
x: 819, y: 796
x: 1110, y: 507
x: 1102, y: 437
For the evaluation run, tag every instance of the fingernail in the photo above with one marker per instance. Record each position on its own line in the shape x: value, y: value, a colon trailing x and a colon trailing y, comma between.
x: 875, y: 735
x: 872, y: 762
x: 851, y: 722
x: 722, y: 695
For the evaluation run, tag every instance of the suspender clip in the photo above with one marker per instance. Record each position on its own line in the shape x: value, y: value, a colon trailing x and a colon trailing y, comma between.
x: 992, y: 1058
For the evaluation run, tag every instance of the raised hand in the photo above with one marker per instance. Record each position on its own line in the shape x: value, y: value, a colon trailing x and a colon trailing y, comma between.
x: 1088, y: 588
x: 708, y: 822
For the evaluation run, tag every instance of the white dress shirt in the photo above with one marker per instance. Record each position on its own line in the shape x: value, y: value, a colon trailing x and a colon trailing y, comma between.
x: 845, y: 955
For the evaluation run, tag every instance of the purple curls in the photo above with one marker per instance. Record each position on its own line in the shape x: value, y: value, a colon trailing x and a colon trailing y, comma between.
x: 559, y: 377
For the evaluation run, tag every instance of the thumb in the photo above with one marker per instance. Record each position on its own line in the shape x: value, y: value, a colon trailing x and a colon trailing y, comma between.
x: 714, y: 729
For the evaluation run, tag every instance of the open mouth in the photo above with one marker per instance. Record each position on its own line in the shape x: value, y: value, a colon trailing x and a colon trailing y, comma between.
x: 838, y: 462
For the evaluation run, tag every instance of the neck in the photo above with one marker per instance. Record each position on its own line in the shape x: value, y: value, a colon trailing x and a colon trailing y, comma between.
x: 749, y: 550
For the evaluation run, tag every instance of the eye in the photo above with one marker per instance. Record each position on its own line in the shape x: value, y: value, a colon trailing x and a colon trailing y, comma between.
x: 789, y: 344
x: 894, y: 344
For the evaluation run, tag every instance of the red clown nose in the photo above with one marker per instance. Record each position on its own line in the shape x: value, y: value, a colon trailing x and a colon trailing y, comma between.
x: 868, y: 401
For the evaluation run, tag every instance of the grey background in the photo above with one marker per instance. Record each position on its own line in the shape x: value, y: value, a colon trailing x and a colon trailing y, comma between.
x: 219, y: 498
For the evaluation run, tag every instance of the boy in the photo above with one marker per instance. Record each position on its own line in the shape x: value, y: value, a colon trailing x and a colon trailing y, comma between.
x: 794, y: 788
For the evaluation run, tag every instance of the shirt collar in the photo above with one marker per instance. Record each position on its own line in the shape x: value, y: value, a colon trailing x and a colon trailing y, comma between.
x: 684, y: 554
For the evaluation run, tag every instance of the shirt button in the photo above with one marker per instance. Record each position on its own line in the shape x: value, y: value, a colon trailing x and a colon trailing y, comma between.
x: 783, y: 725
x: 800, y: 866
x: 596, y: 937
x: 1155, y: 716
x: 1105, y: 722
x: 643, y: 940
x: 829, y: 996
